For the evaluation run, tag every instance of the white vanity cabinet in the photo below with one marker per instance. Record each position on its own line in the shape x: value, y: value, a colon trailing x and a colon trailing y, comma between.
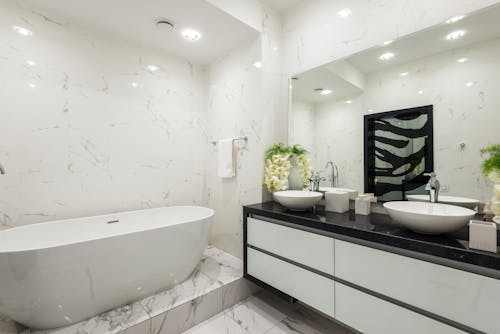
x: 372, y: 315
x: 368, y: 289
x: 464, y: 297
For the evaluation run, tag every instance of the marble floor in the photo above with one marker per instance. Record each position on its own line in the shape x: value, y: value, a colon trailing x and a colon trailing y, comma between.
x: 267, y: 313
x: 215, y: 285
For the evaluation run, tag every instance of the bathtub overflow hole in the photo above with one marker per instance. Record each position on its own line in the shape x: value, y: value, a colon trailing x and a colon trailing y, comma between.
x: 113, y: 221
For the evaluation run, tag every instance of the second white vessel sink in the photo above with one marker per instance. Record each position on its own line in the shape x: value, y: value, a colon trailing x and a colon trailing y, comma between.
x: 452, y: 200
x: 297, y: 200
x: 429, y: 218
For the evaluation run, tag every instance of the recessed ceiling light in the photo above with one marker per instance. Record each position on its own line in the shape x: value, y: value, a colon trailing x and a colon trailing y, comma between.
x: 191, y: 35
x: 388, y: 42
x: 325, y: 92
x: 22, y: 31
x: 387, y: 56
x: 420, y: 92
x: 344, y: 13
x: 403, y: 74
x: 469, y: 84
x: 30, y: 63
x: 134, y: 84
x: 348, y: 101
x: 257, y: 64
x: 153, y: 68
x: 370, y: 110
x: 462, y: 60
x: 31, y: 85
x: 455, y: 19
x: 455, y: 35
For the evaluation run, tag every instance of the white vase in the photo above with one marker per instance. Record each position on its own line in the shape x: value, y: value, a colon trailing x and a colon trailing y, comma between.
x: 294, y: 180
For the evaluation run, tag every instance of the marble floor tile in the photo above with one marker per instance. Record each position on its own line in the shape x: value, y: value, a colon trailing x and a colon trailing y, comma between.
x: 187, y: 315
x: 221, y: 266
x: 261, y: 312
x: 220, y: 324
x: 110, y: 322
x: 195, y: 286
x: 235, y: 292
x: 305, y: 321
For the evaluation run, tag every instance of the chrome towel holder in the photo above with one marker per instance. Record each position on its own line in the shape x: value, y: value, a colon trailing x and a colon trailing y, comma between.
x: 244, y: 138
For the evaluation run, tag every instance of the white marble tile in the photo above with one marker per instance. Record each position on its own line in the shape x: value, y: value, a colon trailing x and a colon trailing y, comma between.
x: 305, y: 321
x: 196, y: 285
x: 261, y: 312
x: 187, y: 315
x: 221, y: 266
x: 220, y: 324
x: 236, y: 291
x: 107, y: 323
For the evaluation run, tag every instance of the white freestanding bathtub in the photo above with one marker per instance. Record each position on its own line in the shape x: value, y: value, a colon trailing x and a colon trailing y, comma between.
x: 58, y: 273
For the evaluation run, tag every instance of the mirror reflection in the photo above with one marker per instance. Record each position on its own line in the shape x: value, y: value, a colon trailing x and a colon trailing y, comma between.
x: 447, y: 75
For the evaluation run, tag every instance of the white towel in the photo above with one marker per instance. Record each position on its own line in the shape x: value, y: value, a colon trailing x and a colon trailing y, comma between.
x: 225, y: 158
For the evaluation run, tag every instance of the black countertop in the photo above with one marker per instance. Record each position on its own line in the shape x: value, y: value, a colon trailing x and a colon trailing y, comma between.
x: 378, y: 229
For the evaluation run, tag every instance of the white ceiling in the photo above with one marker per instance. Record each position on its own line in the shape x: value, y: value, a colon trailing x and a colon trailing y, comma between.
x: 480, y: 26
x: 281, y: 5
x: 134, y: 21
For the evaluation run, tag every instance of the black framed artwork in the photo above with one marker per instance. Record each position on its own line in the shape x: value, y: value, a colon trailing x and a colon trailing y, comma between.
x: 398, y: 151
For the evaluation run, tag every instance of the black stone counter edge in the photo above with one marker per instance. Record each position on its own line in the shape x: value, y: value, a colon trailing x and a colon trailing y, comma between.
x: 461, y: 259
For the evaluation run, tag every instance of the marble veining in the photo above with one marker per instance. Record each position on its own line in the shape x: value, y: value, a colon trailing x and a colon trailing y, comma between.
x: 172, y: 311
x: 267, y: 313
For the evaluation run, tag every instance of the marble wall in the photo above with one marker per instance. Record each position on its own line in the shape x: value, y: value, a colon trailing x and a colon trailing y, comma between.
x: 89, y: 129
x: 243, y: 100
x: 465, y: 111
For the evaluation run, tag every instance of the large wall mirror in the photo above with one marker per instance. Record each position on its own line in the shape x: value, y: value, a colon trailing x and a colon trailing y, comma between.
x: 387, y: 115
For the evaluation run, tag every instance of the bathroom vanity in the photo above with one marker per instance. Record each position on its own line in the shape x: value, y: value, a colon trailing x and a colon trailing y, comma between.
x: 371, y: 274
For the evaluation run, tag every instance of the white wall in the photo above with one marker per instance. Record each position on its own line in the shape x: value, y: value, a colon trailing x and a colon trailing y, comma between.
x: 244, y: 100
x: 461, y: 114
x: 84, y: 141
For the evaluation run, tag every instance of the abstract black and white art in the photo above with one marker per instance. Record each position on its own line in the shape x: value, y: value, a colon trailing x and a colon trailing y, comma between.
x: 398, y: 151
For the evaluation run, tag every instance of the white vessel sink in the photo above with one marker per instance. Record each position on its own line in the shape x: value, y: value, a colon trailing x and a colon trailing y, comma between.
x: 429, y: 218
x: 452, y: 200
x: 352, y: 193
x: 297, y: 200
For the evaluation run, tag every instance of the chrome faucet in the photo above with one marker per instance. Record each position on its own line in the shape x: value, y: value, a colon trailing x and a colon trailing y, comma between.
x: 2, y: 170
x: 315, y: 181
x: 334, y: 174
x: 433, y: 187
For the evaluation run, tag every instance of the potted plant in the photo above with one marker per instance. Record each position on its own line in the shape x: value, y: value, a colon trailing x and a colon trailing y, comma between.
x: 491, y: 168
x: 286, y: 167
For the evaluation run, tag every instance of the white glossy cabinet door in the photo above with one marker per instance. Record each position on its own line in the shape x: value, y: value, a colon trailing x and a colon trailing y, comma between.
x: 310, y: 249
x: 372, y: 315
x: 466, y: 298
x: 310, y: 288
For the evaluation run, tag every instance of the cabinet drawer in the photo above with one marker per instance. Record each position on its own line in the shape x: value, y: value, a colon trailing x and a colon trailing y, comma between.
x: 466, y: 298
x: 310, y: 288
x: 372, y: 315
x: 310, y: 249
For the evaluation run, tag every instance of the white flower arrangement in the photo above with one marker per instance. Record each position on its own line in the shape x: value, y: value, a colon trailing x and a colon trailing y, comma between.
x: 278, y: 165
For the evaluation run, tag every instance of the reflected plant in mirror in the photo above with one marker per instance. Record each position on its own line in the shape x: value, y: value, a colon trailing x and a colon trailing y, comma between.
x: 286, y: 167
x: 455, y: 80
x: 491, y: 169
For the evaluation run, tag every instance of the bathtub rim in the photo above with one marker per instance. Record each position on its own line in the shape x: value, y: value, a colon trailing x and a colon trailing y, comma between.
x: 210, y: 216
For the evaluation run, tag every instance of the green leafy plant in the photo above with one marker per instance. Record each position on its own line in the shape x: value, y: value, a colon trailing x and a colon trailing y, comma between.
x: 280, y: 148
x: 492, y: 164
